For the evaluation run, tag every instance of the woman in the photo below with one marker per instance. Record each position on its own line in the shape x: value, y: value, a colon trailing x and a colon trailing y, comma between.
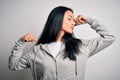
x: 58, y: 55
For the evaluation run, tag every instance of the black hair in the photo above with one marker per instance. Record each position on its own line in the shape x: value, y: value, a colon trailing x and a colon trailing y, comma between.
x: 52, y: 28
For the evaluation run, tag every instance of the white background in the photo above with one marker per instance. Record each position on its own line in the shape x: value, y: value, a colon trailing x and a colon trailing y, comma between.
x: 18, y: 17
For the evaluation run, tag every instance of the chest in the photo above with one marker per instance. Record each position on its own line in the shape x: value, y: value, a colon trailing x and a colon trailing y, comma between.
x: 62, y: 68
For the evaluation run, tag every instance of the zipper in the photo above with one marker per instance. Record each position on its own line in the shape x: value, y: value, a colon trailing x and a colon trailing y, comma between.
x: 56, y: 70
x: 55, y: 64
x: 76, y: 67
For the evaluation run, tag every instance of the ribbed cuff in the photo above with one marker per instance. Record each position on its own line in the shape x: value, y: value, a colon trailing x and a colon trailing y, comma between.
x: 89, y: 20
x: 20, y: 42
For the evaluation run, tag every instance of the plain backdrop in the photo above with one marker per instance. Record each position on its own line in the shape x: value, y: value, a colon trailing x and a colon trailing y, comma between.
x: 19, y: 17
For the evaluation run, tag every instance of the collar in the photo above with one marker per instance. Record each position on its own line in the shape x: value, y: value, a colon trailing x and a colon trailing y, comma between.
x: 45, y: 47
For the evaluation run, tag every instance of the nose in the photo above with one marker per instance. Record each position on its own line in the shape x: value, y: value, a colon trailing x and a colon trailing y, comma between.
x: 73, y: 23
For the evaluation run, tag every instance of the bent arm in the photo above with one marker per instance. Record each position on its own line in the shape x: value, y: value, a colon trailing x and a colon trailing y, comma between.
x: 104, y: 40
x: 17, y: 60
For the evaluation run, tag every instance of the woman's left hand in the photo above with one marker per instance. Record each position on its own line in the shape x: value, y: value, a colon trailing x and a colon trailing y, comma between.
x: 81, y: 19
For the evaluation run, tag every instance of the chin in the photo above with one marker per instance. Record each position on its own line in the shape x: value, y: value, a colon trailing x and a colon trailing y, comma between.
x: 70, y: 32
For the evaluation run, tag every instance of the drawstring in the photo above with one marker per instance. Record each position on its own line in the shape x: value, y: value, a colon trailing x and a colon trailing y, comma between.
x: 76, y: 67
x: 34, y: 66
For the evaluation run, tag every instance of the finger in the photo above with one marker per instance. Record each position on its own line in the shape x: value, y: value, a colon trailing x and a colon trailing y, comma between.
x: 32, y: 37
x: 77, y: 23
x: 27, y: 38
x: 82, y: 17
x: 78, y: 19
x: 82, y: 21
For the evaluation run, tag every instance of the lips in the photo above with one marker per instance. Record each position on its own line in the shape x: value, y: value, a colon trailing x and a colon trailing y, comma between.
x: 72, y: 27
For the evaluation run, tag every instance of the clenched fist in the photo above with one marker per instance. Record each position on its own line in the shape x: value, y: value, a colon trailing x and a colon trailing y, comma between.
x: 29, y: 38
x: 81, y: 19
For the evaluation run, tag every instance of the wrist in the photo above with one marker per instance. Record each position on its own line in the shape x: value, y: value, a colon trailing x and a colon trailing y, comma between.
x: 89, y: 20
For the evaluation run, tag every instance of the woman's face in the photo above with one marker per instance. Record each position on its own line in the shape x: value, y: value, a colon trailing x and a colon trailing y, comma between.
x: 68, y: 22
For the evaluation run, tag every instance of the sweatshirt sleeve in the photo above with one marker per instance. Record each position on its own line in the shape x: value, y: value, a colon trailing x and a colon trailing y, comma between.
x: 18, y: 61
x: 105, y: 39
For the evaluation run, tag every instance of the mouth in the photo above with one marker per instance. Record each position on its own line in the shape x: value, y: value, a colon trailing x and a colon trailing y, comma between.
x: 72, y: 27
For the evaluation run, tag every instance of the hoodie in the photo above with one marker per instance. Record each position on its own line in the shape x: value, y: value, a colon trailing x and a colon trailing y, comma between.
x: 46, y: 67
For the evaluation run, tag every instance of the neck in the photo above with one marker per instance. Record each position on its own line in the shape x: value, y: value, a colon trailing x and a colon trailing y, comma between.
x: 59, y: 37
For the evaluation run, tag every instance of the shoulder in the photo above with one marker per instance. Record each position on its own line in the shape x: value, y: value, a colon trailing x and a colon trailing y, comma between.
x: 37, y: 48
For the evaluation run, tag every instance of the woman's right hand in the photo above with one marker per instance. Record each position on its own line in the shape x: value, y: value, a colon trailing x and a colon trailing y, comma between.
x: 29, y: 38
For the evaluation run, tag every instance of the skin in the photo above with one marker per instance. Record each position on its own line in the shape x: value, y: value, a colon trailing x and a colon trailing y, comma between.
x: 69, y: 22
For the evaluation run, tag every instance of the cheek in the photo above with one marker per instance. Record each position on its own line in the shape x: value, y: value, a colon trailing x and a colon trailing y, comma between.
x: 65, y: 25
x: 66, y: 28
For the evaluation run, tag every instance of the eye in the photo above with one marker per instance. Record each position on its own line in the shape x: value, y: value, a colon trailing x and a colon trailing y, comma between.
x: 69, y: 19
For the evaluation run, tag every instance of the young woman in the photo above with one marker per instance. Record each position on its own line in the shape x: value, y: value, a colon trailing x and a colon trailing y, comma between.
x: 58, y: 55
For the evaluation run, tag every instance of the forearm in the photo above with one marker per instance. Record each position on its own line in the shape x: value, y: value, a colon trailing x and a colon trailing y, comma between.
x: 16, y: 54
x: 105, y: 39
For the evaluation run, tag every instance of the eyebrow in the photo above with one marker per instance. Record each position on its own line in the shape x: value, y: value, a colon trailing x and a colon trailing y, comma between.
x: 70, y: 16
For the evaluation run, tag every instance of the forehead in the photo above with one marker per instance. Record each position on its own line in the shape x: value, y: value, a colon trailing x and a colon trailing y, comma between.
x: 69, y: 13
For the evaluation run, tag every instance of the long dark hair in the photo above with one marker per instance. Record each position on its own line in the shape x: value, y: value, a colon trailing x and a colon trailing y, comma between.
x: 52, y: 28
